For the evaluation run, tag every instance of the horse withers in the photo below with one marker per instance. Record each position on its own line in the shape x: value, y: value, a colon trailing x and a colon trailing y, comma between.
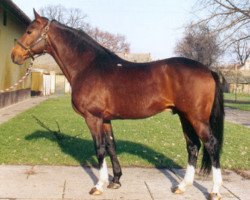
x: 106, y: 87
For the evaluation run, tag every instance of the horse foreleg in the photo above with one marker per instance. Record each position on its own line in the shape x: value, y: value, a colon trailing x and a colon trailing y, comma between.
x: 96, y: 128
x: 103, y: 179
x: 111, y: 149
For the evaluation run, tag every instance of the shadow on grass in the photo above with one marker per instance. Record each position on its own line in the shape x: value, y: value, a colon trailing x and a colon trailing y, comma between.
x: 82, y: 150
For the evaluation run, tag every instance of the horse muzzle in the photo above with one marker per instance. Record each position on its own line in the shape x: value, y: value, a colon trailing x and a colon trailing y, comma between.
x: 17, y: 57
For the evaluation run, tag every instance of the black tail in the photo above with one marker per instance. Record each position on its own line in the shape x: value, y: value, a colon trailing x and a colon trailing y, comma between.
x: 216, y: 125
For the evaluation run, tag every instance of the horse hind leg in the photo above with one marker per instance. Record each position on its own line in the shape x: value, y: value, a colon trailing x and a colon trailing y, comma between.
x: 193, y: 146
x: 211, y: 156
x: 211, y: 147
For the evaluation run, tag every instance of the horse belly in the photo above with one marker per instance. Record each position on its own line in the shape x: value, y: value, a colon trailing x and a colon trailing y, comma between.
x: 142, y: 99
x: 140, y: 109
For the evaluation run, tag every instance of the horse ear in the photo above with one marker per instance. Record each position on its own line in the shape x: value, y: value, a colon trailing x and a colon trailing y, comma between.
x: 37, y: 16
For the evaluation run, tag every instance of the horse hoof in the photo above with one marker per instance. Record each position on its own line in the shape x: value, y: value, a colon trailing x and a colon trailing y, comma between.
x: 214, y: 196
x: 95, y: 191
x: 113, y: 185
x: 177, y: 190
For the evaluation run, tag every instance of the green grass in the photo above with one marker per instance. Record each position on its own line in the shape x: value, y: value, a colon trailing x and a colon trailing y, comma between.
x: 240, y: 97
x: 242, y: 103
x: 154, y: 142
x: 240, y: 106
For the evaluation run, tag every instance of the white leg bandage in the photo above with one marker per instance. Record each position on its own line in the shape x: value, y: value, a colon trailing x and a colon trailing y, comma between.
x: 103, y: 176
x: 188, y: 179
x: 217, y: 179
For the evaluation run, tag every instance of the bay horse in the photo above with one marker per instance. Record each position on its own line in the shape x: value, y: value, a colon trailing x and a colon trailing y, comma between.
x: 106, y: 87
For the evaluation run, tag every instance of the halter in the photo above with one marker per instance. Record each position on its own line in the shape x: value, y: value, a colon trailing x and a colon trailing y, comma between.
x: 44, y: 36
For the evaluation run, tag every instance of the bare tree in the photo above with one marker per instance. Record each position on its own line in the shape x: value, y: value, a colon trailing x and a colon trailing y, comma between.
x: 199, y: 44
x: 53, y: 12
x: 75, y: 18
x: 241, y: 50
x: 72, y: 17
x: 230, y: 18
x: 116, y: 43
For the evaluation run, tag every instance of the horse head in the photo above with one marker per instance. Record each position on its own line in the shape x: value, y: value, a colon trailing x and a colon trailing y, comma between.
x: 34, y: 41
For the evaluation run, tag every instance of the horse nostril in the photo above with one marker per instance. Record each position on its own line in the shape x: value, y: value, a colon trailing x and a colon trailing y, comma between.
x: 15, y: 59
x: 12, y: 56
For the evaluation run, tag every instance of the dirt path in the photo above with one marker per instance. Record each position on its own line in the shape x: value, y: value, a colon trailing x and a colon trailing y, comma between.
x: 238, y: 116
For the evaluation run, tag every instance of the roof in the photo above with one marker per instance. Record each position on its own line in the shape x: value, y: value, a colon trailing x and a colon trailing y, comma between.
x: 135, y: 57
x: 14, y: 9
x: 241, y: 79
x: 233, y: 66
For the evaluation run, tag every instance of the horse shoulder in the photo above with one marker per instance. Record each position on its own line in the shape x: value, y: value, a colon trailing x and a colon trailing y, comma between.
x: 90, y: 95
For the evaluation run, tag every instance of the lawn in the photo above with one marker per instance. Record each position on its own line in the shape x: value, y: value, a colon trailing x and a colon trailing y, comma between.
x: 242, y: 103
x: 240, y: 97
x: 33, y: 138
x: 240, y: 106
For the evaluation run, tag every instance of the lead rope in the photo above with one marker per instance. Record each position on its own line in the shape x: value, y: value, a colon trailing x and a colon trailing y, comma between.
x: 22, y: 79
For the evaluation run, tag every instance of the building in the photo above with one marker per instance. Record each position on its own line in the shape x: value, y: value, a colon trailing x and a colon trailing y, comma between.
x: 13, y: 23
x: 245, y: 68
x: 47, y: 77
x: 236, y: 77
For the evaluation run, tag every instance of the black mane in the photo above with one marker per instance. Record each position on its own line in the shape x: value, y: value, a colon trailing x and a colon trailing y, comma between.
x: 79, y: 41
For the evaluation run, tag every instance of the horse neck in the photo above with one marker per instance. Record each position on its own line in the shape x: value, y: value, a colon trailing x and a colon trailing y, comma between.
x: 70, y: 62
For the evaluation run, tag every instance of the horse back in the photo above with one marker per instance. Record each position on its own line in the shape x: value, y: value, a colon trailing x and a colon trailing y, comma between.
x: 129, y: 90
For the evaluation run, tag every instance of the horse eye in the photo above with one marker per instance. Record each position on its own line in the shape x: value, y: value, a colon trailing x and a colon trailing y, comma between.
x: 29, y: 32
